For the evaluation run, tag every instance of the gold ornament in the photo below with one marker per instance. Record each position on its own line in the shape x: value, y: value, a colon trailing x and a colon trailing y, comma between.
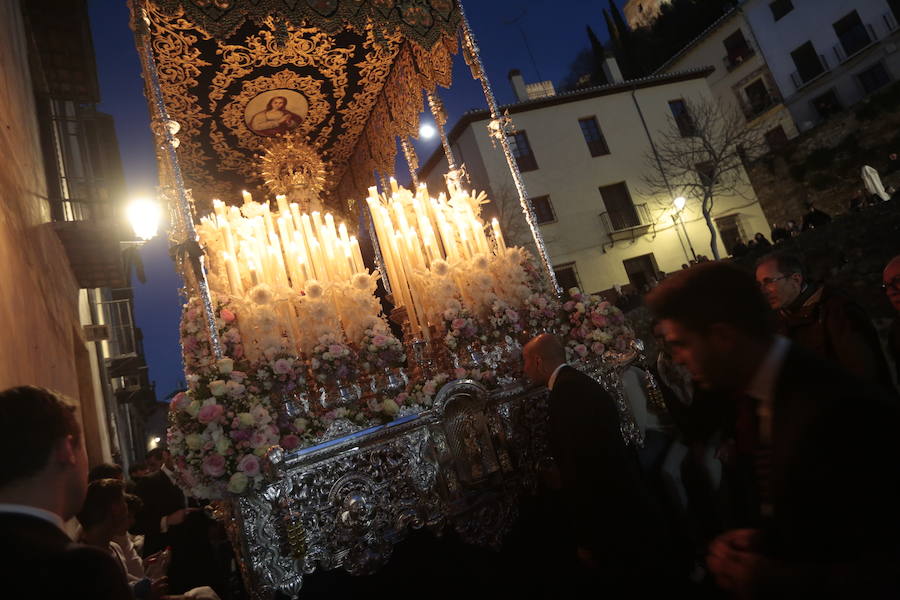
x: 290, y: 166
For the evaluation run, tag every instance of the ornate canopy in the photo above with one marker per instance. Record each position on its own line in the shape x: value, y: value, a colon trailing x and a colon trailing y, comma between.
x: 346, y: 75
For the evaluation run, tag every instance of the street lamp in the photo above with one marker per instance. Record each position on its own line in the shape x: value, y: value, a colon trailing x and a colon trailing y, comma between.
x: 144, y: 215
x: 679, y: 207
x: 426, y: 131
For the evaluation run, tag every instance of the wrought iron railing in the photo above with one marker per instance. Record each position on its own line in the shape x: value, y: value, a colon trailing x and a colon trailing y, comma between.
x: 733, y: 61
x: 854, y: 41
x: 625, y: 219
x: 801, y: 79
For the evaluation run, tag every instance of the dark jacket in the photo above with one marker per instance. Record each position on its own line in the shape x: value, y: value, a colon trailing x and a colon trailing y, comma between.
x: 833, y: 482
x: 894, y: 347
x: 835, y: 328
x: 610, y: 509
x: 194, y: 562
x: 38, y: 561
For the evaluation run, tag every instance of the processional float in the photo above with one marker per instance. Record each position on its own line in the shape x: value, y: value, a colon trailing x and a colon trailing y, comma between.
x: 324, y: 432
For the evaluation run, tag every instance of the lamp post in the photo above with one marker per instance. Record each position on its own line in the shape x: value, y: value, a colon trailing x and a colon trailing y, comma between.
x: 144, y: 216
x: 679, y: 207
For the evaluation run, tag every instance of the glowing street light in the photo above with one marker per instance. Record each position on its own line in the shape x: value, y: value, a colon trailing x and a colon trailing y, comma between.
x: 144, y: 215
x: 679, y: 203
x: 427, y: 131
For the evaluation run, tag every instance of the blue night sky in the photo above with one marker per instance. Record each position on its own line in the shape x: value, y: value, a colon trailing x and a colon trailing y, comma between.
x: 555, y: 31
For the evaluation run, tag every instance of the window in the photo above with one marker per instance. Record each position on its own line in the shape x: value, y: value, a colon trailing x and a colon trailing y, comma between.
x: 567, y: 276
x: 780, y: 8
x: 642, y: 270
x: 731, y: 231
x: 619, y: 206
x: 807, y: 61
x: 776, y: 138
x: 873, y: 78
x: 521, y: 149
x: 758, y: 98
x: 682, y: 117
x: 590, y: 129
x: 852, y: 33
x: 706, y: 171
x: 737, y: 49
x: 827, y: 104
x: 543, y: 210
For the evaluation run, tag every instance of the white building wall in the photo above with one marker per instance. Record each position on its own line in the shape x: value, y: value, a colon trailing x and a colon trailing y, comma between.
x: 571, y: 177
x: 812, y: 20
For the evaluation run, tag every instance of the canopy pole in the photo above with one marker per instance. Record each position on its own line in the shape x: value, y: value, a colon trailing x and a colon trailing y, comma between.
x: 500, y: 128
x: 440, y: 118
x: 166, y: 129
x: 412, y: 160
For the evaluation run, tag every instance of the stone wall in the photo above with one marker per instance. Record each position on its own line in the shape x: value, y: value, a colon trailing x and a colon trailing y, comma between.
x: 824, y: 164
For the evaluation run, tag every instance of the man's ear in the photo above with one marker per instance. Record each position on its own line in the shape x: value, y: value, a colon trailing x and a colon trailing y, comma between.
x: 797, y: 278
x: 65, y: 450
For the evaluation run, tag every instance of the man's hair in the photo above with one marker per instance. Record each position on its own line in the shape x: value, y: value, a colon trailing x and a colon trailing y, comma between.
x: 102, y: 494
x: 135, y: 468
x: 710, y: 293
x: 134, y: 502
x: 155, y: 453
x: 105, y: 471
x: 34, y: 419
x: 787, y: 263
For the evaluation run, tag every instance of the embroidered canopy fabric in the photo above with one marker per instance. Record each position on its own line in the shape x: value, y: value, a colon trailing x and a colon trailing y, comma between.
x: 346, y: 75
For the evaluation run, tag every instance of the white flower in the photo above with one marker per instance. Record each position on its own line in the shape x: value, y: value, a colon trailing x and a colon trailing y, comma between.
x: 262, y: 294
x: 480, y: 261
x: 234, y: 389
x: 194, y: 441
x: 314, y: 289
x: 225, y: 365
x: 300, y: 424
x: 222, y: 444
x: 390, y: 407
x: 439, y: 267
x: 245, y: 419
x: 193, y: 408
x: 238, y: 483
x: 217, y: 387
x: 361, y: 281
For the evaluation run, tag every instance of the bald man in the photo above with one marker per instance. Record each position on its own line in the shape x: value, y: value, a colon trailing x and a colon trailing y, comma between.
x: 616, y: 529
x: 891, y: 283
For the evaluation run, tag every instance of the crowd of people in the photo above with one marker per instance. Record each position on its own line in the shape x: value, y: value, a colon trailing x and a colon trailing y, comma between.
x: 769, y: 469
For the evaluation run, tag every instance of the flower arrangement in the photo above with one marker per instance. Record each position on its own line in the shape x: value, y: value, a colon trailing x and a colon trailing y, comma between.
x: 461, y: 327
x: 541, y: 313
x: 380, y: 350
x: 332, y: 359
x: 504, y: 321
x: 593, y: 326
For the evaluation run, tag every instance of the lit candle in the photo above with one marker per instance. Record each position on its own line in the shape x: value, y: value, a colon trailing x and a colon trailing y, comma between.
x: 357, y: 255
x: 348, y: 255
x: 234, y: 276
x: 219, y: 207
x: 281, y: 201
x: 498, y: 236
x: 394, y: 187
x: 247, y: 197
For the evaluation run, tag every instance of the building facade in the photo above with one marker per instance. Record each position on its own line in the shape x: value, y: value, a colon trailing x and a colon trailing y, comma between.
x: 741, y: 80
x: 584, y: 156
x: 826, y: 55
x: 65, y: 302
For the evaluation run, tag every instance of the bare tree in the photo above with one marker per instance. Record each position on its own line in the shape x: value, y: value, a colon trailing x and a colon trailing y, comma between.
x: 700, y: 155
x: 505, y: 207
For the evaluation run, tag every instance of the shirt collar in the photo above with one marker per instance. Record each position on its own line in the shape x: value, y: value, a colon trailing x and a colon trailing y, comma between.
x: 552, y: 380
x: 762, y: 386
x: 33, y: 511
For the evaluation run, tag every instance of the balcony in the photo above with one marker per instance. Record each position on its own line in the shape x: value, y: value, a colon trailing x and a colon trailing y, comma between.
x: 890, y: 23
x: 733, y: 61
x: 627, y: 224
x: 810, y: 73
x: 854, y: 41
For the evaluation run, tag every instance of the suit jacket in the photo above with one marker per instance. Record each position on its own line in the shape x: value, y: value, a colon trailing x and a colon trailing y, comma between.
x: 834, y: 483
x: 610, y: 509
x: 194, y: 562
x: 38, y: 560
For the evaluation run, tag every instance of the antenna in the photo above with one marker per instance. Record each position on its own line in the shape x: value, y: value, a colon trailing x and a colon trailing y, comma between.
x: 516, y: 21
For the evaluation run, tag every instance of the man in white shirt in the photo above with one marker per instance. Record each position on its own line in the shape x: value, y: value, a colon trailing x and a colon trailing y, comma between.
x: 43, y: 481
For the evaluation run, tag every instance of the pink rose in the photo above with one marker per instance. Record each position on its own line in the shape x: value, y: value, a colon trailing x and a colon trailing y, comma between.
x: 282, y: 366
x: 288, y: 442
x: 210, y: 413
x: 459, y: 373
x: 336, y: 349
x: 249, y: 464
x: 226, y: 315
x: 458, y: 323
x: 379, y: 340
x: 214, y: 465
x: 401, y: 397
x: 581, y: 350
x: 597, y: 348
x: 179, y: 402
x: 598, y: 320
x: 568, y: 306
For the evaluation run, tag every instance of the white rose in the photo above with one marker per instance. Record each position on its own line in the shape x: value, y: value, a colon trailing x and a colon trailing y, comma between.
x: 222, y: 445
x: 194, y: 441
x: 390, y: 407
x: 225, y: 365
x: 217, y: 387
x: 193, y: 408
x: 245, y: 419
x: 238, y: 483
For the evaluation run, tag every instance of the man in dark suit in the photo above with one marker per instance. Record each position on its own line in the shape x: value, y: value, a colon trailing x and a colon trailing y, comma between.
x: 43, y: 481
x: 816, y: 447
x: 167, y: 520
x: 615, y: 525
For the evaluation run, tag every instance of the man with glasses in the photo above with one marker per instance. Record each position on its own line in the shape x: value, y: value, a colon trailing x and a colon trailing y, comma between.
x: 821, y: 319
x: 891, y: 285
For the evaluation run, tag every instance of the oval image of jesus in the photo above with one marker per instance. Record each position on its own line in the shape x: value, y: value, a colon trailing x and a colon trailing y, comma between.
x: 274, y: 112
